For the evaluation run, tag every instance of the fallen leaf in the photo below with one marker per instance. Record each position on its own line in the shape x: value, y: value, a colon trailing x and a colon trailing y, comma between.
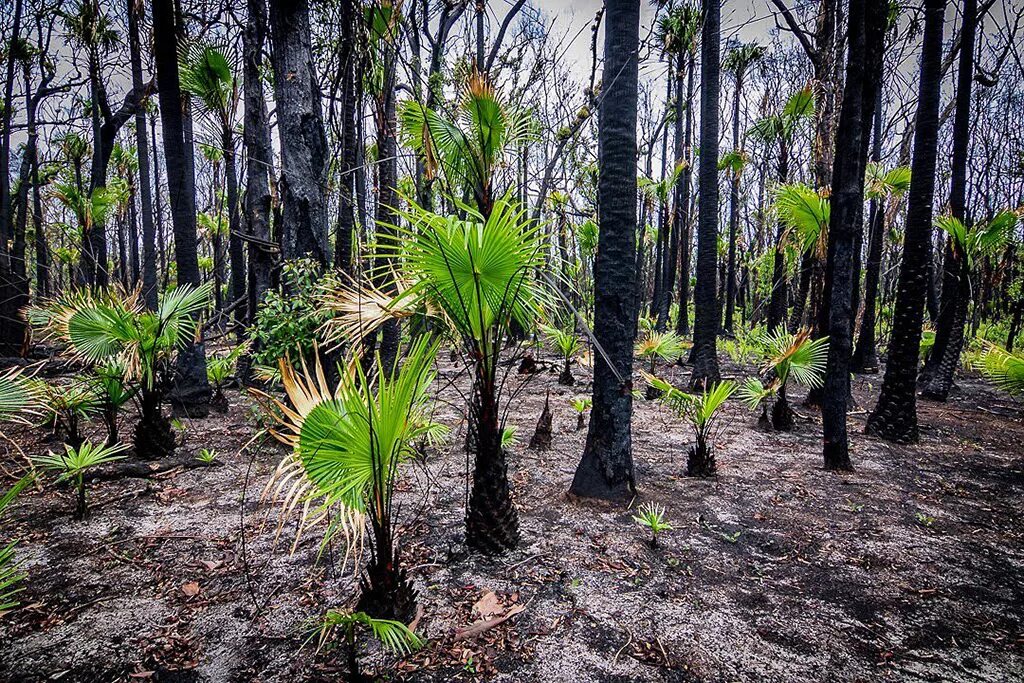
x: 191, y: 589
x: 488, y: 606
x: 479, y: 627
x: 212, y: 564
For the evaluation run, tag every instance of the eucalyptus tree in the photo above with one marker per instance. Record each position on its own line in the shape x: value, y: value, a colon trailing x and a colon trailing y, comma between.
x: 207, y: 73
x: 706, y: 317
x: 737, y: 61
x: 866, y: 40
x: 895, y: 415
x: 12, y: 327
x: 606, y: 468
x: 259, y: 155
x: 142, y: 142
x: 191, y: 393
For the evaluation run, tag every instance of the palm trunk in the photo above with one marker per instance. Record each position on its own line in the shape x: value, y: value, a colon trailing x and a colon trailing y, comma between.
x: 683, y: 208
x: 895, y: 415
x: 606, y: 468
x: 863, y: 75
x: 236, y: 251
x: 192, y: 390
x: 706, y: 322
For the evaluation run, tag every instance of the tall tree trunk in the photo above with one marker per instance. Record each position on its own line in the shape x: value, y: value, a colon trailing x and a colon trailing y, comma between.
x: 259, y: 153
x: 12, y: 326
x: 706, y: 318
x: 236, y: 251
x: 191, y: 393
x: 866, y: 38
x: 778, y: 300
x: 387, y: 194
x: 606, y: 468
x: 683, y: 205
x: 944, y: 359
x: 349, y: 152
x: 895, y: 415
x: 865, y: 355
x: 303, y: 141
x: 734, y: 211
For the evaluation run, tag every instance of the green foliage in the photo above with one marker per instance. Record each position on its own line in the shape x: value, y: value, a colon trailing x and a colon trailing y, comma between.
x: 394, y: 636
x: 1004, y: 369
x: 664, y: 346
x: 108, y: 326
x: 581, y: 405
x: 11, y: 574
x: 701, y: 410
x: 879, y: 183
x: 205, y: 74
x: 652, y: 516
x: 221, y: 366
x: 18, y: 396
x: 565, y: 342
x: 982, y: 238
x: 69, y: 406
x: 75, y: 462
x: 287, y: 321
x: 207, y: 456
x: 509, y: 437
x: 804, y: 212
x: 348, y: 443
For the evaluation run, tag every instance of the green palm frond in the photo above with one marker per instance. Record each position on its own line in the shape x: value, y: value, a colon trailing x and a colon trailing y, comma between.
x: 348, y: 443
x: 478, y: 275
x: 206, y: 74
x: 18, y: 396
x: 753, y: 392
x: 804, y: 212
x: 75, y: 461
x: 1004, y: 369
x: 794, y: 355
x: 394, y: 636
x: 665, y: 346
x: 11, y: 574
x: 880, y: 183
x: 564, y: 341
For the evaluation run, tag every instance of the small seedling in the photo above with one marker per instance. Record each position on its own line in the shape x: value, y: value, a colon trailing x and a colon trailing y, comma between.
x: 652, y: 516
x: 75, y: 462
x: 207, y: 456
x: 925, y: 520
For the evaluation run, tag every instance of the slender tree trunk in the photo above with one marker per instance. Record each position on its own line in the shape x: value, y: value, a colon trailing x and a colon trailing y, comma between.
x: 734, y: 211
x: 706, y: 319
x: 865, y: 355
x: 778, y: 301
x: 260, y: 158
x: 895, y: 416
x: 350, y: 140
x: 606, y: 468
x: 12, y: 326
x: 683, y: 207
x: 236, y: 251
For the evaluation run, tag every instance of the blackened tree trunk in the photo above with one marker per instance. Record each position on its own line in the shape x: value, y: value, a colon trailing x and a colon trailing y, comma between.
x: 865, y: 355
x: 260, y: 158
x: 895, y: 416
x: 303, y: 141
x: 956, y: 274
x: 778, y: 302
x: 606, y: 469
x: 866, y: 38
x: 705, y: 298
x: 191, y: 394
x: 348, y: 56
x: 387, y: 195
x: 236, y: 251
x: 12, y: 326
x: 683, y: 190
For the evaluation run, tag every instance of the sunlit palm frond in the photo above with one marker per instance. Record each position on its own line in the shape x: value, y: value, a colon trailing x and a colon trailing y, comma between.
x: 1004, y: 369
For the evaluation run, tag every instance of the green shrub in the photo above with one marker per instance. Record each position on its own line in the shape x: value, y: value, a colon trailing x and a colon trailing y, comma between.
x: 287, y: 320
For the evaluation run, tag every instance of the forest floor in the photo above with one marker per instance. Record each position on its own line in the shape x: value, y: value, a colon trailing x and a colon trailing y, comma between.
x: 911, y: 567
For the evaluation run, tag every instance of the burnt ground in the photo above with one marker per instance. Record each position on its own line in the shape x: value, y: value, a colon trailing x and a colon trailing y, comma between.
x: 909, y: 568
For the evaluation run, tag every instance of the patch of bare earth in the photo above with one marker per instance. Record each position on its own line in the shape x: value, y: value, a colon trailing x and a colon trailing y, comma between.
x: 909, y: 568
